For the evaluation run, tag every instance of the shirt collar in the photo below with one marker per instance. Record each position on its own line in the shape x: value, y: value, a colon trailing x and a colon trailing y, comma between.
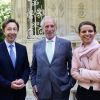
x: 8, y: 44
x: 53, y: 39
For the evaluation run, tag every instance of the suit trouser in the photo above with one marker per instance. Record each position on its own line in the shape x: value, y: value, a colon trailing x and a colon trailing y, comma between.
x: 18, y: 96
x: 87, y: 94
x: 57, y: 96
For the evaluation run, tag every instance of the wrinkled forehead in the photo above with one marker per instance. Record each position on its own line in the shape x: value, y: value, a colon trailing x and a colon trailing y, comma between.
x: 49, y: 20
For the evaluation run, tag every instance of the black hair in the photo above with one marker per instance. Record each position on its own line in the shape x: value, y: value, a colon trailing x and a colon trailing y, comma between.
x: 8, y: 21
x: 87, y: 23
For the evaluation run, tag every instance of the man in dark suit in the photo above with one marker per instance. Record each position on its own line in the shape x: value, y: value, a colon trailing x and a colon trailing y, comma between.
x: 14, y: 65
x: 51, y: 64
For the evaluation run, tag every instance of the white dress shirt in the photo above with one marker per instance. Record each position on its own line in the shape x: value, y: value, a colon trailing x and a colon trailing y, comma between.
x: 51, y: 49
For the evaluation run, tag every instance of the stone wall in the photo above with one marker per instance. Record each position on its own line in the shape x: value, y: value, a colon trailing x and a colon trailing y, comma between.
x: 68, y: 13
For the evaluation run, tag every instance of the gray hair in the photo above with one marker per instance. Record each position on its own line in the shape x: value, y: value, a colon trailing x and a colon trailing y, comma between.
x: 45, y: 18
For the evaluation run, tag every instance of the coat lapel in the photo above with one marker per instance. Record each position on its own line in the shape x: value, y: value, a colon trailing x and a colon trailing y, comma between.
x: 5, y: 51
x: 43, y: 48
x: 57, y: 46
x: 18, y: 53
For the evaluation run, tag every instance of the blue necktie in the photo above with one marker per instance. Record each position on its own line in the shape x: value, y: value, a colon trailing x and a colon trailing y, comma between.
x: 49, y: 50
x: 12, y: 55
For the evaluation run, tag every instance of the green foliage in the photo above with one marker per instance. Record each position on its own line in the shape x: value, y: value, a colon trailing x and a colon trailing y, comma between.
x: 5, y: 13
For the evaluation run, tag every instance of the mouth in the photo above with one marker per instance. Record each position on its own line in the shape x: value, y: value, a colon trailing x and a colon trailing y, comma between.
x: 87, y: 37
x: 12, y: 36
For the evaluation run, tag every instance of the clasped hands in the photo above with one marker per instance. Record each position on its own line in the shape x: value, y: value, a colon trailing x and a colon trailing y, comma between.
x: 17, y: 84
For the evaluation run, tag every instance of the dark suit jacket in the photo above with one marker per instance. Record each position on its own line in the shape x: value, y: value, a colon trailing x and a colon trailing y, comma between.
x: 56, y: 74
x: 9, y: 74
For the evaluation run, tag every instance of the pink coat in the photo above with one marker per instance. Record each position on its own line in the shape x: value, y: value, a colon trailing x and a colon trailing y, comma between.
x: 86, y: 65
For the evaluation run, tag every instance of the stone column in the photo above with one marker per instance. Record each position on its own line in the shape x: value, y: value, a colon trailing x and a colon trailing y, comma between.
x: 19, y: 12
x: 19, y: 9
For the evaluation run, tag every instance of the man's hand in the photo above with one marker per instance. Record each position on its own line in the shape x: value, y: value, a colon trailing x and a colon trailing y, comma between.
x: 35, y: 91
x: 17, y: 84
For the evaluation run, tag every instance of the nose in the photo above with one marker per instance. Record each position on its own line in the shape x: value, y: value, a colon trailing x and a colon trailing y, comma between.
x: 87, y: 32
x: 49, y: 28
x: 13, y: 31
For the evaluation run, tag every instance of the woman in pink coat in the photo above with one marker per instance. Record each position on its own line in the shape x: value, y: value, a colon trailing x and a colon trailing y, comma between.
x: 86, y: 63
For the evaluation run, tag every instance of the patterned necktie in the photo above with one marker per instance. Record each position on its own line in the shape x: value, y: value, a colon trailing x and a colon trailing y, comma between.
x: 12, y: 55
x: 49, y: 50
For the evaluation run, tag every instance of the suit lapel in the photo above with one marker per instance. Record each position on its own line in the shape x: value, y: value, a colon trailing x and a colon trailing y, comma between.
x: 5, y: 51
x: 18, y: 53
x: 43, y: 47
x: 57, y: 46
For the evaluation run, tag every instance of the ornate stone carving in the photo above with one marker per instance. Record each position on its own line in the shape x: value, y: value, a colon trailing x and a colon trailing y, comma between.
x: 61, y: 8
x: 81, y: 10
x: 73, y: 29
x: 51, y: 8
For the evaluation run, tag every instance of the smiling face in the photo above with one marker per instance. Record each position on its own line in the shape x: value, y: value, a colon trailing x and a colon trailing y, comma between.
x: 10, y: 32
x: 49, y: 28
x: 87, y: 34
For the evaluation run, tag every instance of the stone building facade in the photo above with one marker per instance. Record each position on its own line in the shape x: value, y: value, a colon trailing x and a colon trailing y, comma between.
x: 68, y: 13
